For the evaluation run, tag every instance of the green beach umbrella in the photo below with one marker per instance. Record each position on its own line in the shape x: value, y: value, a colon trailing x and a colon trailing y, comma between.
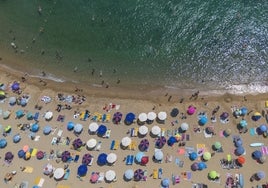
x: 2, y: 95
x: 217, y: 145
x: 213, y: 174
x: 207, y: 156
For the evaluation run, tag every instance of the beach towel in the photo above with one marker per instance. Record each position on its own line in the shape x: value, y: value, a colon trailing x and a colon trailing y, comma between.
x: 33, y: 153
x: 264, y: 150
x: 181, y: 151
x: 252, y: 131
x: 221, y: 134
x: 28, y: 169
x: 63, y: 186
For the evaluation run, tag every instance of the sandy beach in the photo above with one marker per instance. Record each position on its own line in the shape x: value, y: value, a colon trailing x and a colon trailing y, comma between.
x: 109, y: 101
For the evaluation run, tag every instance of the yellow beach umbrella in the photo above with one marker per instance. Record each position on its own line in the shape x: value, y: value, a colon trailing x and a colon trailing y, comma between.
x: 27, y: 155
x: 207, y: 156
x: 8, y: 129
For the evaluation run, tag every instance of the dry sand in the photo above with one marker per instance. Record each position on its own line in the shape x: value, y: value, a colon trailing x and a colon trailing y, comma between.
x: 136, y: 102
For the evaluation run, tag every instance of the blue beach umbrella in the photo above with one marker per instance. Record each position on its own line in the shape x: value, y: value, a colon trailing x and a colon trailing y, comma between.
x: 256, y: 116
x: 256, y: 154
x: 23, y: 102
x: 70, y: 125
x: 174, y: 112
x: 224, y: 116
x: 160, y: 142
x: 202, y: 166
x: 3, y: 143
x: 34, y: 127
x: 239, y: 150
x: 130, y: 117
x: 139, y: 156
x: 262, y: 129
x: 193, y: 156
x: 21, y: 153
x: 102, y: 130
x: 9, y: 156
x: 19, y: 113
x: 260, y: 175
x: 78, y: 128
x: 102, y: 159
x: 47, y: 129
x: 171, y: 141
x: 16, y: 138
x: 82, y: 170
x: 165, y: 182
x: 243, y: 123
x: 203, y: 120
x: 29, y: 116
x: 15, y: 86
x: 243, y: 111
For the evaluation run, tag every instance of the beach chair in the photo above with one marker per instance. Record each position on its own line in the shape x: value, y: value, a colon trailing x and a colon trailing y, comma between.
x: 133, y: 145
x: 145, y: 175
x: 112, y: 145
x: 60, y: 131
x: 54, y: 140
x: 108, y: 117
x: 160, y: 173
x: 107, y: 133
x: 76, y: 158
x: 155, y: 174
x: 98, y: 146
x: 163, y: 132
x: 101, y: 177
x: 175, y: 179
x: 116, y: 145
x: 67, y: 174
x: 129, y: 159
x: 36, y: 116
x: 91, y: 162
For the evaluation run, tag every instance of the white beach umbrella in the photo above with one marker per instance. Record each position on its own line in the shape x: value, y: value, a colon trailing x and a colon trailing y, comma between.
x: 111, y: 158
x: 48, y: 169
x: 110, y: 175
x: 143, y: 130
x: 156, y: 130
x: 93, y: 127
x: 48, y: 115
x: 78, y: 128
x: 91, y: 143
x: 151, y: 116
x: 58, y: 173
x: 12, y: 100
x: 158, y: 155
x: 142, y: 117
x: 129, y: 174
x: 126, y: 141
x: 162, y: 116
x: 184, y: 126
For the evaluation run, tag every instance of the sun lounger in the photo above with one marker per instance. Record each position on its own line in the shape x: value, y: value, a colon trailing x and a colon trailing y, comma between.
x: 76, y: 158
x: 112, y: 145
x: 145, y: 175
x: 133, y: 145
x: 116, y: 145
x: 101, y: 177
x: 134, y: 132
x: 33, y: 152
x: 91, y: 162
x: 67, y: 174
x: 98, y: 146
x: 129, y: 159
x: 60, y: 131
x: 107, y: 133
x: 155, y: 174
x: 36, y: 116
x: 54, y: 140
x: 252, y: 131
x: 160, y: 173
x: 163, y: 132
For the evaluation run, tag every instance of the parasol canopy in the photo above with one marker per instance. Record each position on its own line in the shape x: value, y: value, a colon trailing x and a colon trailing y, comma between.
x: 111, y: 158
x: 165, y: 182
x: 156, y: 130
x: 158, y: 155
x: 126, y: 141
x: 6, y: 114
x: 174, y: 112
x: 160, y: 142
x: 3, y: 143
x: 191, y: 110
x: 117, y: 117
x: 256, y: 116
x: 138, y: 174
x: 110, y: 175
x: 171, y: 141
x: 35, y: 127
x: 207, y: 156
x: 102, y: 159
x: 217, y: 145
x: 139, y: 156
x: 94, y: 177
x: 93, y: 127
x: 256, y: 154
x: 16, y: 138
x: 143, y: 130
x: 27, y: 155
x: 19, y: 113
x: 91, y: 143
x: 48, y: 115
x: 184, y: 126
x: 130, y: 117
x: 48, y: 169
x: 262, y: 129
x: 243, y: 111
x: 87, y: 158
x: 47, y: 129
x: 77, y: 143
x: 9, y: 156
x: 144, y: 160
x: 151, y: 116
x: 65, y: 156
x: 58, y: 173
x: 213, y: 174
x: 194, y: 166
x: 162, y: 116
x: 40, y: 155
x: 243, y: 123
x: 70, y: 125
x: 142, y: 117
x: 260, y: 175
x: 129, y: 174
x: 227, y: 132
x: 82, y: 170
x: 102, y: 130
x: 21, y: 153
x: 241, y: 160
x: 78, y: 128
x: 193, y: 156
x: 202, y: 166
x: 203, y: 120
x: 15, y: 86
x: 144, y: 145
x: 224, y: 116
x: 239, y: 150
x: 12, y: 100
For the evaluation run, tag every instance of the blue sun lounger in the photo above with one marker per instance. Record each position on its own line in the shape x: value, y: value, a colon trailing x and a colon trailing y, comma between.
x: 130, y: 160
x: 112, y: 145
x: 67, y: 174
x: 76, y: 158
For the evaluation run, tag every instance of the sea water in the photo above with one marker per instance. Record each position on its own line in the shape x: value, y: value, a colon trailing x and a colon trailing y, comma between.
x: 201, y: 44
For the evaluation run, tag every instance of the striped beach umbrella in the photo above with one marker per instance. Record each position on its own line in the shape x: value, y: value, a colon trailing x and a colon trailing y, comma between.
x: 87, y: 158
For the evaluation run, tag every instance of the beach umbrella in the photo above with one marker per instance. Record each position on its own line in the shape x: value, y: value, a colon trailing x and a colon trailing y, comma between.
x: 19, y: 113
x: 77, y: 143
x: 262, y: 129
x: 162, y: 116
x: 23, y: 102
x: 102, y: 159
x: 40, y: 155
x: 93, y: 127
x: 15, y: 86
x: 184, y: 126
x: 82, y: 170
x: 78, y: 128
x: 262, y: 159
x: 217, y: 145
x: 130, y: 117
x: 9, y: 156
x: 65, y: 156
x: 227, y: 132
x: 91, y: 143
x: 25, y: 148
x: 171, y: 141
x: 87, y: 158
x: 7, y: 129
x: 35, y: 127
x: 241, y: 160
x: 12, y: 100
x: 243, y: 111
x: 2, y: 95
x: 126, y: 141
x: 48, y: 169
x: 191, y: 110
x: 243, y: 123
x: 165, y: 182
x: 194, y: 166
x: 16, y: 138
x: 174, y: 112
x: 239, y: 150
x: 117, y: 117
x: 193, y: 156
x: 203, y: 120
x: 213, y: 174
x: 139, y: 156
x: 256, y: 154
x: 94, y: 177
x: 29, y: 116
x: 129, y: 174
x: 6, y: 114
x: 138, y: 174
x: 160, y: 142
x: 47, y: 129
x: 238, y: 142
x: 144, y: 144
x: 21, y: 153
x: 3, y: 143
x: 224, y: 116
x: 143, y: 130
x: 158, y: 155
x: 156, y: 130
x: 209, y: 130
x: 58, y: 173
x: 27, y: 155
x: 202, y: 166
x: 256, y: 116
x: 111, y: 158
x: 151, y: 116
x: 206, y: 155
x: 237, y: 113
x: 110, y: 175
x: 142, y: 117
x: 260, y: 175
x: 102, y: 130
x: 48, y: 115
x: 70, y: 125
x: 144, y: 160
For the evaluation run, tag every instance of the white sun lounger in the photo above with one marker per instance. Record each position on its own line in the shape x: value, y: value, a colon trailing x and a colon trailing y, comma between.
x: 60, y: 131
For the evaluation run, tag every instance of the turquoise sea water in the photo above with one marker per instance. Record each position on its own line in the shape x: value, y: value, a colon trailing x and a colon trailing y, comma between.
x: 208, y: 45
